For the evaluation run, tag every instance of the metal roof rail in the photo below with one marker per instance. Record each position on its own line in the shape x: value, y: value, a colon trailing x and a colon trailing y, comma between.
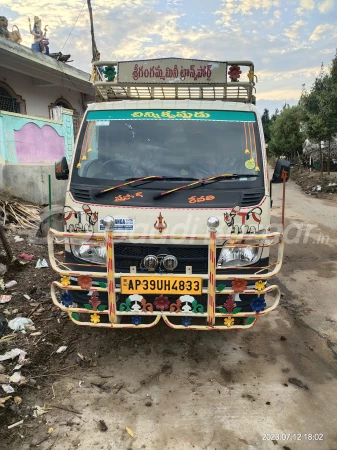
x: 173, y: 79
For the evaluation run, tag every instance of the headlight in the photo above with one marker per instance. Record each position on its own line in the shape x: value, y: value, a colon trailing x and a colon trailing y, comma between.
x: 238, y: 257
x: 88, y: 251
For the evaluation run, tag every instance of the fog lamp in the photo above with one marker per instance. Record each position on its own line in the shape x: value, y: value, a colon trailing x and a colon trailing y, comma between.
x: 150, y: 262
x: 170, y: 262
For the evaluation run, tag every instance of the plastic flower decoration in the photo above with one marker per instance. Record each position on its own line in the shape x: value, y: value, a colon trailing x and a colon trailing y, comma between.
x: 228, y: 321
x: 110, y: 73
x: 260, y: 285
x: 247, y: 151
x: 85, y: 282
x: 186, y: 321
x: 94, y: 301
x: 67, y: 299
x: 234, y: 72
x: 258, y: 304
x: 65, y: 281
x: 230, y: 304
x: 95, y: 318
x: 239, y: 285
x: 161, y: 302
x: 136, y: 320
x: 257, y: 169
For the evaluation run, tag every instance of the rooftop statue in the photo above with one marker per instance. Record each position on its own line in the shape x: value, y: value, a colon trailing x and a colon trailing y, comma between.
x: 13, y: 35
x: 40, y: 38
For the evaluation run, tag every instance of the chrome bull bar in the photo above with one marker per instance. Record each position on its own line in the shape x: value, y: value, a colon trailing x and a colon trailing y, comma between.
x: 109, y: 317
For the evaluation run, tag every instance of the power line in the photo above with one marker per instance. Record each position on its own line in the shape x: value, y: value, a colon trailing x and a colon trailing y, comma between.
x: 73, y: 26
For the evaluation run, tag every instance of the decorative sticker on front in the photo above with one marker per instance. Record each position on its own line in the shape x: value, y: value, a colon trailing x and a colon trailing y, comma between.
x: 118, y: 114
x: 121, y: 224
x: 201, y: 199
x: 124, y: 198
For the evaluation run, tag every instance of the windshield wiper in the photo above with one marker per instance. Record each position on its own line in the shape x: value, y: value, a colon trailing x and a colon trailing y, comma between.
x: 205, y: 180
x: 168, y: 178
x: 145, y: 180
x: 127, y: 183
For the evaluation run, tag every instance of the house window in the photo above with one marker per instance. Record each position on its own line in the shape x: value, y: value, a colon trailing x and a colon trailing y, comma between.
x: 11, y: 102
x: 63, y: 103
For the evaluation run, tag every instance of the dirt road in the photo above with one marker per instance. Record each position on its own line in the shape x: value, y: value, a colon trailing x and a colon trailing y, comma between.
x: 178, y: 390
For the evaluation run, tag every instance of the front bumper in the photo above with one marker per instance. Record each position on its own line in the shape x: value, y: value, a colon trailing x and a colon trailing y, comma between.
x: 222, y: 305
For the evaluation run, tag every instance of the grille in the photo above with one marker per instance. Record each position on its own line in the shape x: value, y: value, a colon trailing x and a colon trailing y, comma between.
x: 135, y: 250
x: 127, y: 255
x: 251, y: 198
x: 185, y: 252
x: 81, y: 194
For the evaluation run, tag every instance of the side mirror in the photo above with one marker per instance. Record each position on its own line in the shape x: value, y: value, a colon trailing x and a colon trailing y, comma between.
x: 61, y: 169
x: 282, y: 169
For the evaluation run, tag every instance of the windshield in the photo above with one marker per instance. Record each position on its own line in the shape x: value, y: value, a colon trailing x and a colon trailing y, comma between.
x: 123, y: 144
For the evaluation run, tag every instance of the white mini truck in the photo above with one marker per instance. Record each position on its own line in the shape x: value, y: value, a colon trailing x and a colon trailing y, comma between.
x: 167, y: 210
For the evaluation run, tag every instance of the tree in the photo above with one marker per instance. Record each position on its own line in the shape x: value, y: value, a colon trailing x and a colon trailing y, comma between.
x: 319, y: 110
x: 266, y: 125
x: 286, y: 136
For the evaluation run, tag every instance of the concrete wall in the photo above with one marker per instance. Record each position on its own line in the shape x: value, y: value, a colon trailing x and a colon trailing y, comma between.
x: 29, y: 139
x: 30, y: 182
x: 39, y: 97
x: 29, y: 147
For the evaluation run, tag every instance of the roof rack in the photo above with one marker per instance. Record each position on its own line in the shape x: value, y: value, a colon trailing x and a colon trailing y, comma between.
x: 173, y: 79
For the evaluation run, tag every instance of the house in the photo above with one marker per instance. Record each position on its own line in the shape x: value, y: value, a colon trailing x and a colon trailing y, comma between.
x: 42, y: 101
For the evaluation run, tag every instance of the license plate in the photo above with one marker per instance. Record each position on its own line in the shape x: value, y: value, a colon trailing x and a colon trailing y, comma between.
x: 161, y: 285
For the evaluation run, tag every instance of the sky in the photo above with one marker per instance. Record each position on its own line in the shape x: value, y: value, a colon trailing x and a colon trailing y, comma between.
x: 287, y: 40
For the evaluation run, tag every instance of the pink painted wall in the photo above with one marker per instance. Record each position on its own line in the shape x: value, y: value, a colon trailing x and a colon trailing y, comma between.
x: 35, y: 144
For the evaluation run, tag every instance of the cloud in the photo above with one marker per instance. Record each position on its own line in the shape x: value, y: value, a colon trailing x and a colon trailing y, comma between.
x: 305, y: 5
x: 269, y: 23
x: 245, y: 7
x: 281, y: 94
x: 325, y: 6
x: 238, y: 29
x: 293, y: 32
x: 322, y: 31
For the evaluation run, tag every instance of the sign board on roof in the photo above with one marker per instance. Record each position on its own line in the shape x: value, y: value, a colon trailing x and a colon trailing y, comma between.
x: 172, y: 70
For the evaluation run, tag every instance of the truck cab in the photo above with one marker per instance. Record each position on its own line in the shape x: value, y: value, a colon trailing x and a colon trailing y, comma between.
x: 167, y: 211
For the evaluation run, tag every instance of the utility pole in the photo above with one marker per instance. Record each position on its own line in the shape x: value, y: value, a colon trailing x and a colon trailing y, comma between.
x: 95, y: 53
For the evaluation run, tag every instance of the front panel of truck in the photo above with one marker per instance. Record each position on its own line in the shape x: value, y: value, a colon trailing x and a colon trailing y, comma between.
x: 167, y: 216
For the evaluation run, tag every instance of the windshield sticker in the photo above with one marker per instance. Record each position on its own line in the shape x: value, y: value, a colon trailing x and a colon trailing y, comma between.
x: 158, y: 114
x: 121, y: 198
x: 102, y: 123
x: 201, y: 199
x: 172, y: 114
x: 121, y: 224
x: 250, y: 164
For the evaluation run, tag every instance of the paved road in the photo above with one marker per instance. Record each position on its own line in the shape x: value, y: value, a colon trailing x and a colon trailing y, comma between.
x: 180, y: 390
